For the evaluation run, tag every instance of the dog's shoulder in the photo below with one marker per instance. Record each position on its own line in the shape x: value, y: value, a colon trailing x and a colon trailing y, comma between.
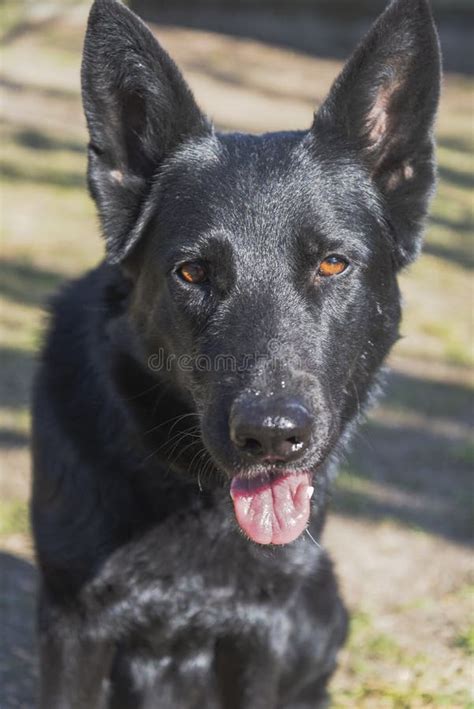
x: 79, y: 444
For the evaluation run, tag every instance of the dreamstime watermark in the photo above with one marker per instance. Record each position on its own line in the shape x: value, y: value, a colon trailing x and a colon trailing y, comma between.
x: 274, y: 358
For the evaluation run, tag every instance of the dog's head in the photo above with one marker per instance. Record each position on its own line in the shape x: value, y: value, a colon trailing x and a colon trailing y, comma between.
x: 264, y: 267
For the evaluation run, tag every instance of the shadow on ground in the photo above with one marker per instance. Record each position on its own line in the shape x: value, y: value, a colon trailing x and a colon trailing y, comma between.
x: 42, y: 91
x: 18, y: 663
x: 412, y: 462
x: 47, y: 176
x: 26, y: 283
x: 463, y: 257
x: 325, y: 33
x: 11, y: 439
x: 39, y: 140
x: 17, y: 368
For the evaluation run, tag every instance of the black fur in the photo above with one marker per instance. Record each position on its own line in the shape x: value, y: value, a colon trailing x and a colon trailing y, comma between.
x: 151, y: 595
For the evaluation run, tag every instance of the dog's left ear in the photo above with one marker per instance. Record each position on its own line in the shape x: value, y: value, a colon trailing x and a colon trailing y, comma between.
x: 383, y: 106
x: 139, y: 110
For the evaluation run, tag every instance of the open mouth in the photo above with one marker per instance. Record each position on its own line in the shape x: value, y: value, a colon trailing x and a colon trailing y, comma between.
x: 272, y: 508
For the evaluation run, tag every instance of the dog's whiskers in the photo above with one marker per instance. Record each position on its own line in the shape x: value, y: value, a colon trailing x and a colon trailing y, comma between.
x: 313, y: 539
x: 175, y: 420
x: 203, y: 465
x: 187, y: 434
x: 175, y: 441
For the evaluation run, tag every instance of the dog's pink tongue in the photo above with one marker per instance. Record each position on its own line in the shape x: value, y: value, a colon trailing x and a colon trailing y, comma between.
x: 273, y: 511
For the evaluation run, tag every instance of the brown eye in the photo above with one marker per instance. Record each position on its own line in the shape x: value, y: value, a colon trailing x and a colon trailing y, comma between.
x: 192, y: 272
x: 332, y: 266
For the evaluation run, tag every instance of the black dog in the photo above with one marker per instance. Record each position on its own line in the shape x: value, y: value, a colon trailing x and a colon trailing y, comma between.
x: 196, y: 388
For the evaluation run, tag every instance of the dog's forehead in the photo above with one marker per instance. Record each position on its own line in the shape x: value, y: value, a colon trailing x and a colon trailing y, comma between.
x: 237, y: 165
x: 263, y: 189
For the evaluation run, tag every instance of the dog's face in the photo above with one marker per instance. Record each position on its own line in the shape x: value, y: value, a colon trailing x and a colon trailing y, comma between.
x: 282, y: 288
x: 264, y: 267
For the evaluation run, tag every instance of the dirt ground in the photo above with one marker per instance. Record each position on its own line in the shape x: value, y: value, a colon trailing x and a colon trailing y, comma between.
x: 401, y: 524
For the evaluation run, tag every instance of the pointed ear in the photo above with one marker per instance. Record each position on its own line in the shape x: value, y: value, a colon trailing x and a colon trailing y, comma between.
x: 139, y: 110
x: 383, y: 107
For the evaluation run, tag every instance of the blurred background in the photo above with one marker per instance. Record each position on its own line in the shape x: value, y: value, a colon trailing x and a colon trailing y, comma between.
x: 401, y: 523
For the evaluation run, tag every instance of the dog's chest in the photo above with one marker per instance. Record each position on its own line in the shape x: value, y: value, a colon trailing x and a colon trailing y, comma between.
x: 188, y: 582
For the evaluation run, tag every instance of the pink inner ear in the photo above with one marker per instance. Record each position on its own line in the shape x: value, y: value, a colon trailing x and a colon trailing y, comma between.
x: 378, y: 118
x: 117, y: 176
x: 404, y: 173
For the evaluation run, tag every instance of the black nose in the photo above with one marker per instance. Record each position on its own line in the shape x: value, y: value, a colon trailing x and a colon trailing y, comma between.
x: 270, y: 430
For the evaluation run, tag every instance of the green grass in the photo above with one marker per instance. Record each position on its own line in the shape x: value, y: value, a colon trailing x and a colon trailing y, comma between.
x: 378, y: 695
x: 465, y: 453
x: 14, y: 517
x: 465, y: 640
x: 382, y: 673
x: 367, y: 644
x: 12, y: 13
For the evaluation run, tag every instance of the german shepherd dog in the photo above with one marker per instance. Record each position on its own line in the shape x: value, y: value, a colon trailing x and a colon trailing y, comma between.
x: 196, y: 388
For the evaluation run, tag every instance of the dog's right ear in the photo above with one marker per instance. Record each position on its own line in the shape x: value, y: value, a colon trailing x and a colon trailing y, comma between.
x: 139, y: 110
x: 381, y: 110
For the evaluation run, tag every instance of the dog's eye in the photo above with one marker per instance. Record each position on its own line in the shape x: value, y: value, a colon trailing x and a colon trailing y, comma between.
x: 192, y: 272
x: 332, y: 266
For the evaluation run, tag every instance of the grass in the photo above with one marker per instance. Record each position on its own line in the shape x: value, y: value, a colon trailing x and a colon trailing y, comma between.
x: 14, y: 518
x: 465, y: 641
x: 402, y: 678
x: 465, y: 453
